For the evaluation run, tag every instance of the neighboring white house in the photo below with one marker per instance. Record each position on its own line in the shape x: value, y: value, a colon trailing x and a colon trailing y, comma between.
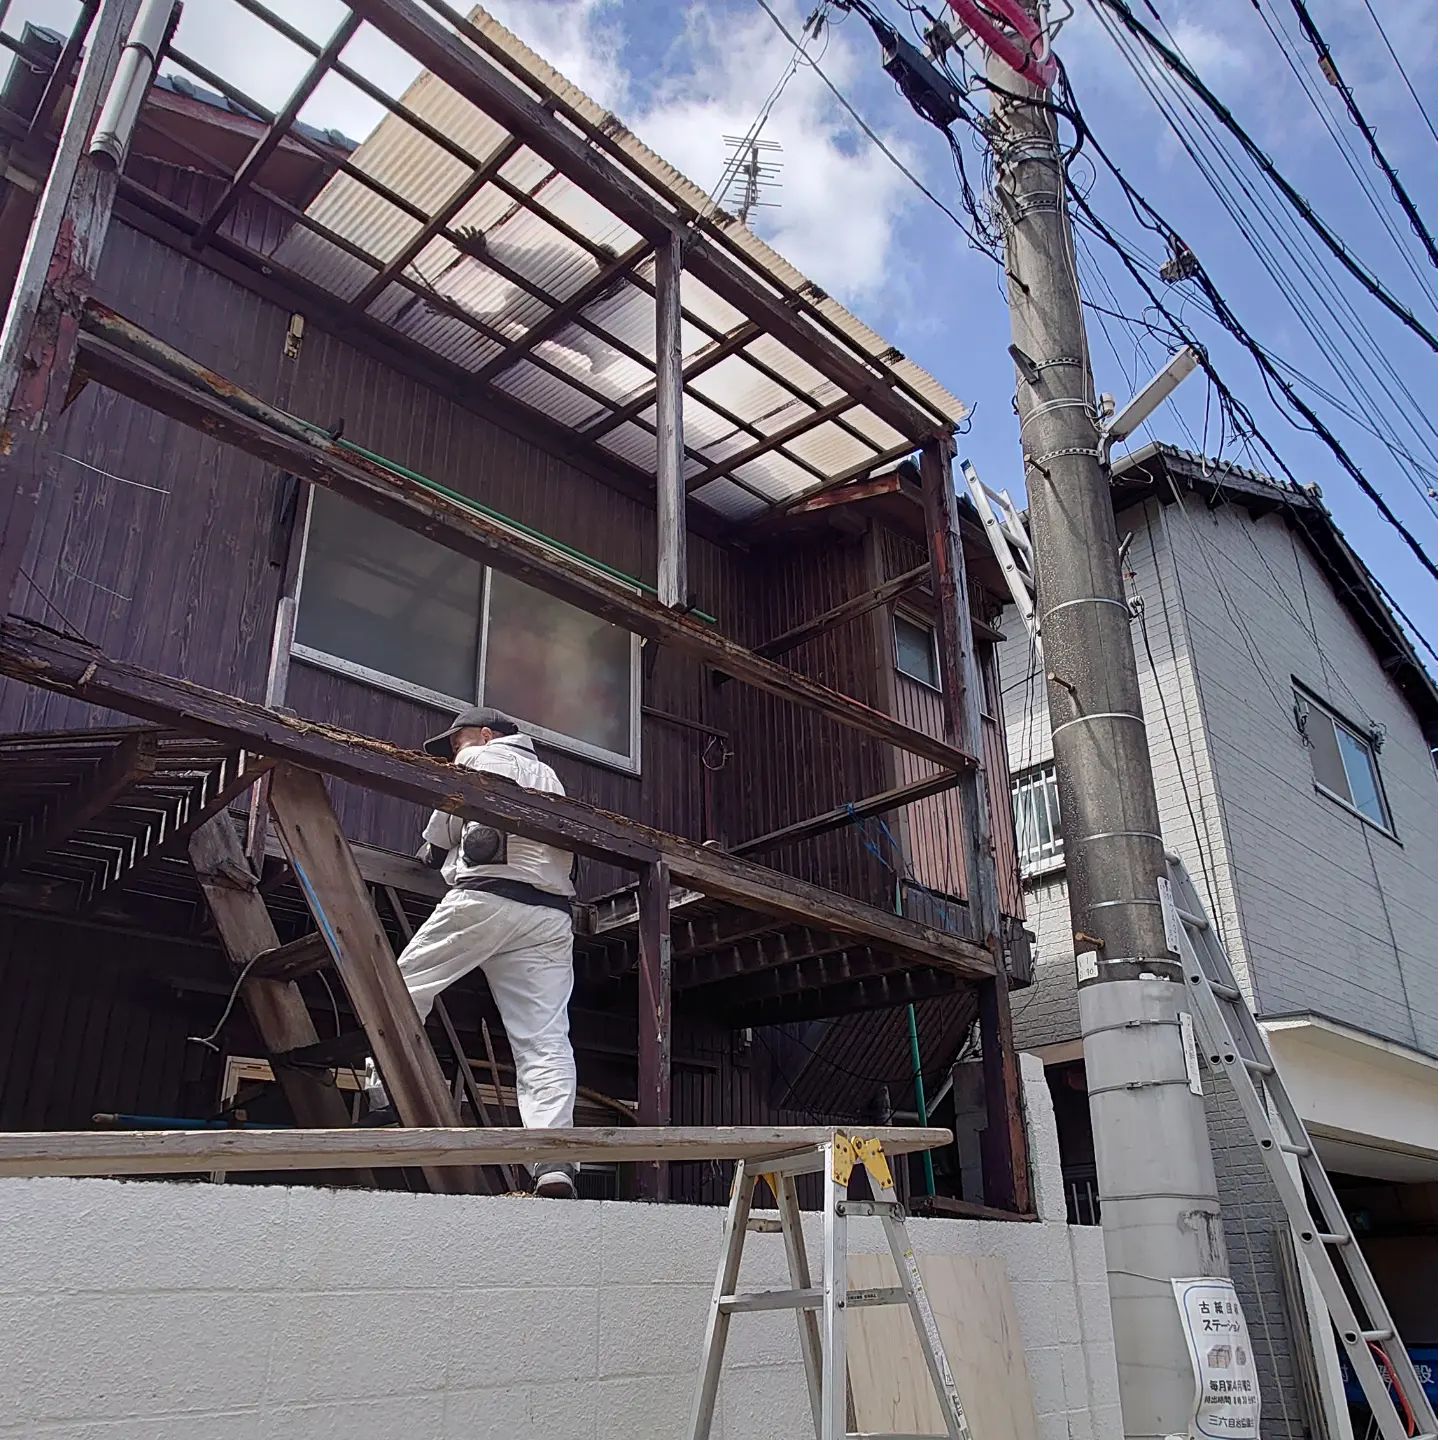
x: 1291, y: 733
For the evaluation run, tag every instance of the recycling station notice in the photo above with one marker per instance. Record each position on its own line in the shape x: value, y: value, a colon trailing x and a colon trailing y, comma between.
x: 1227, y: 1392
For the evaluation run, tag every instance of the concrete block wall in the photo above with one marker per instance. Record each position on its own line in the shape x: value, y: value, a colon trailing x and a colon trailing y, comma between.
x: 163, y: 1311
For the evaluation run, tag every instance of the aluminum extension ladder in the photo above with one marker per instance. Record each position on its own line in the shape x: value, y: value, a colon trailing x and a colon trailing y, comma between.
x: 821, y: 1309
x: 1235, y: 1044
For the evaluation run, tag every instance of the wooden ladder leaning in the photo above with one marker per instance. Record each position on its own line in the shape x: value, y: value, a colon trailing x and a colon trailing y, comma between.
x: 821, y: 1309
x: 359, y: 949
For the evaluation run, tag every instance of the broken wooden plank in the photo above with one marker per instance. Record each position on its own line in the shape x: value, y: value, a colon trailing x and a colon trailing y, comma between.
x: 293, y: 959
x: 171, y: 1152
x: 340, y: 904
x: 276, y: 1007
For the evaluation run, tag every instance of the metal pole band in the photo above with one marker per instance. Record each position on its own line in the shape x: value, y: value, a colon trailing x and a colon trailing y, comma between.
x: 1131, y: 1025
x: 1118, y: 835
x: 1106, y: 904
x: 1036, y: 461
x: 1052, y: 405
x: 1098, y: 715
x: 1085, y: 600
x: 1197, y: 1200
x: 1134, y: 1084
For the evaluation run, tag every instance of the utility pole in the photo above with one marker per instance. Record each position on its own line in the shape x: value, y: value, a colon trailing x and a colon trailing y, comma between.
x: 1159, y: 1208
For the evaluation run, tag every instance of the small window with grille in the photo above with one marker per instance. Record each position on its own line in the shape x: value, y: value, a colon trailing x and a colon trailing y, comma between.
x: 1036, y: 802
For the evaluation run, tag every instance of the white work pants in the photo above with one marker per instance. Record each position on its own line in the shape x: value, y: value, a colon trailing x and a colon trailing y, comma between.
x: 527, y: 952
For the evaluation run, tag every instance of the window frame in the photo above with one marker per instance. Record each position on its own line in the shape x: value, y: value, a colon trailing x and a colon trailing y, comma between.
x: 1314, y: 704
x: 1044, y: 864
x: 411, y: 690
x: 920, y: 622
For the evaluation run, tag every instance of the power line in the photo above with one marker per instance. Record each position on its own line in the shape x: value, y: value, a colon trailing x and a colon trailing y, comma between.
x: 1153, y: 220
x: 875, y: 140
x: 1310, y: 274
x: 1331, y: 71
x: 1424, y: 113
x: 1266, y: 165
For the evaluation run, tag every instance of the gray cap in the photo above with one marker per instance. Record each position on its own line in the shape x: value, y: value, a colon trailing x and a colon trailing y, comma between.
x: 477, y: 717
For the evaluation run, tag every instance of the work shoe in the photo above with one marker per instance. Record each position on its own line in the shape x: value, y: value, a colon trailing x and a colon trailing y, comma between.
x: 555, y: 1184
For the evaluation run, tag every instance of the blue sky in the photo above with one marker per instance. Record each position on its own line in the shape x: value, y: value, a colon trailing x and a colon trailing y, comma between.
x: 685, y: 75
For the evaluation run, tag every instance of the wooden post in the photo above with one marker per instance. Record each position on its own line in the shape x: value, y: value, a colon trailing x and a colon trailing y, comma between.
x: 653, y: 1063
x: 1007, y: 1178
x: 669, y: 425
x: 57, y: 271
x: 319, y: 854
x: 276, y: 1007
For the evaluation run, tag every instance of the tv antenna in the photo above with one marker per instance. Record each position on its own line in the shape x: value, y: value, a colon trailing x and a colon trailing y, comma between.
x: 753, y: 169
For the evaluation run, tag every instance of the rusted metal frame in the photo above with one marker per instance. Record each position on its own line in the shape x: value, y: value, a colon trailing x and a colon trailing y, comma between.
x: 337, y: 898
x: 655, y: 1002
x: 564, y: 311
x: 122, y: 356
x: 464, y: 1075
x: 842, y: 613
x: 454, y: 61
x: 55, y: 276
x: 670, y: 485
x: 460, y: 197
x: 40, y: 657
x: 64, y: 64
x: 74, y: 807
x: 1006, y: 1173
x: 628, y: 196
x: 776, y: 440
x: 843, y: 815
x: 279, y: 127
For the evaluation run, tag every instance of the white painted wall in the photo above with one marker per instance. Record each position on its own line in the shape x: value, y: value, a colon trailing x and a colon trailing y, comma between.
x: 160, y: 1311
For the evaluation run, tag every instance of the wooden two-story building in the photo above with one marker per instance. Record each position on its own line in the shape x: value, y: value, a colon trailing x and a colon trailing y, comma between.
x: 316, y: 442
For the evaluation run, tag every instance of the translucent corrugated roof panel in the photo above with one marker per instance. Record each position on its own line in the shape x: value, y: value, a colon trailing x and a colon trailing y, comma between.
x: 481, y: 295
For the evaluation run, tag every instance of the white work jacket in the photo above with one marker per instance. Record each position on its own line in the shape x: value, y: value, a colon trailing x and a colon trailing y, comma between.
x: 543, y: 866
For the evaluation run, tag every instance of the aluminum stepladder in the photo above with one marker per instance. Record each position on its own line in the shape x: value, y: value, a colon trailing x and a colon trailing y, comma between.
x: 1235, y: 1044
x: 821, y: 1309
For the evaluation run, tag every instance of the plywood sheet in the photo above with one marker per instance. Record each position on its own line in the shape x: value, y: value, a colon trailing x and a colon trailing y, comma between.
x: 975, y: 1310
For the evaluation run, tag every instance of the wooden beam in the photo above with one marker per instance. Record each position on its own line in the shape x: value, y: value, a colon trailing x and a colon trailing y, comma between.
x: 817, y: 972
x: 122, y: 356
x: 1006, y: 1169
x: 872, y: 992
x: 277, y: 130
x: 1004, y: 1148
x: 652, y: 1077
x: 846, y: 610
x: 842, y: 815
x: 670, y: 485
x: 293, y: 959
x: 34, y: 654
x: 55, y: 277
x: 757, y: 954
x: 455, y: 61
x: 179, y: 1152
x: 337, y: 898
x: 276, y: 1007
x: 77, y: 805
x: 562, y: 312
x: 695, y: 366
x: 774, y: 441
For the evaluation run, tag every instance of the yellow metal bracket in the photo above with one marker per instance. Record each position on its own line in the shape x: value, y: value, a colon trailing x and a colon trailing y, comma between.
x: 870, y: 1153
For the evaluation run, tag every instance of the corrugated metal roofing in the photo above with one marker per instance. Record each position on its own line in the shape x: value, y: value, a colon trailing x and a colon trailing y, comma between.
x: 518, y: 248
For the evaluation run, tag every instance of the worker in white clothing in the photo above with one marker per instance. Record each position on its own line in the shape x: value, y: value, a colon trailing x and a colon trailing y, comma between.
x: 508, y: 911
